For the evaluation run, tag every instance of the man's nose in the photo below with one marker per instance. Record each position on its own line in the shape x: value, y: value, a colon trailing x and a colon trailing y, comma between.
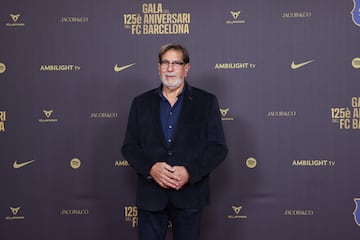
x: 170, y: 67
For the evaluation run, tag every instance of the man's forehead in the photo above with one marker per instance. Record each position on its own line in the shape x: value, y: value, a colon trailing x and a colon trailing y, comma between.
x: 172, y: 53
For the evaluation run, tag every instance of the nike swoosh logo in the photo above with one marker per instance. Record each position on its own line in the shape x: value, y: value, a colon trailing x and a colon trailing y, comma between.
x: 17, y: 165
x: 118, y: 68
x: 299, y: 65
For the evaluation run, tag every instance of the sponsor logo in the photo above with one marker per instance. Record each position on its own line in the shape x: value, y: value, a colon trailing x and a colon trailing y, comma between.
x: 251, y: 162
x: 15, y: 21
x: 236, y: 65
x: 75, y: 212
x: 281, y: 114
x: 15, y: 17
x: 103, y: 115
x: 356, y: 212
x: 48, y: 113
x: 236, y: 211
x: 355, y: 12
x: 296, y: 15
x: 121, y: 163
x: 75, y: 163
x: 296, y: 212
x: 155, y: 20
x: 2, y: 121
x: 121, y: 68
x: 295, y: 66
x: 59, y: 67
x: 48, y: 118
x: 15, y: 214
x: 235, y: 18
x: 224, y: 112
x: 74, y: 19
x: 312, y: 163
x: 356, y: 63
x: 2, y: 67
x: 17, y: 165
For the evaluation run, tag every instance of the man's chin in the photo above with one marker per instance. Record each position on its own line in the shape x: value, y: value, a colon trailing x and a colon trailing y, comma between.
x: 172, y: 84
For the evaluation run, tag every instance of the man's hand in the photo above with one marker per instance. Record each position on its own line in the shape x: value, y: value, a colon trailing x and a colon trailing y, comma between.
x: 168, y: 176
x: 163, y: 174
x: 181, y: 175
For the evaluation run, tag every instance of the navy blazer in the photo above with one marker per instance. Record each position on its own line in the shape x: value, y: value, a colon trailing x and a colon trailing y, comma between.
x: 198, y: 145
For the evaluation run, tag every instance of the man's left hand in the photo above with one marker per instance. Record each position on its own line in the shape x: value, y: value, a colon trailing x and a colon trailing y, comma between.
x: 182, y: 176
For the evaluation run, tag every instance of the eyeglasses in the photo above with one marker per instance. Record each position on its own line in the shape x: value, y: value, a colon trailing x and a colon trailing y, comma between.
x: 176, y: 64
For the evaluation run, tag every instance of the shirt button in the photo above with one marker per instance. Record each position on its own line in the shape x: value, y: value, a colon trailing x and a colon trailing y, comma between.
x: 170, y: 126
x: 169, y: 140
x: 170, y: 153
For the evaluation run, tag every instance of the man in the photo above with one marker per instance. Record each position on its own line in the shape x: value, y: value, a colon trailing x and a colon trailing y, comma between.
x: 174, y: 139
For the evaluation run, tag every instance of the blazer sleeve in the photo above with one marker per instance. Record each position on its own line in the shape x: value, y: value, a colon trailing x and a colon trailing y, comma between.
x: 131, y: 148
x: 214, y: 150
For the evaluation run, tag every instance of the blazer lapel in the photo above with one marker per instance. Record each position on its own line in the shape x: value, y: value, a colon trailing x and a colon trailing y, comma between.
x: 155, y: 106
x: 186, y: 111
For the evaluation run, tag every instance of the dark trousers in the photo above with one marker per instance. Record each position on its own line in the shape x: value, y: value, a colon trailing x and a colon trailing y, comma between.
x: 185, y: 224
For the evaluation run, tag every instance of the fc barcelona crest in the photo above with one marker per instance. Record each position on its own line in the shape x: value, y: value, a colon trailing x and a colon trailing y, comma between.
x: 357, y: 211
x: 355, y: 13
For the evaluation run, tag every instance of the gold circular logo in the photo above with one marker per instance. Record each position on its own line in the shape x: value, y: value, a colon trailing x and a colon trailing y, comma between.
x: 356, y: 63
x: 251, y: 162
x: 2, y: 68
x: 75, y: 163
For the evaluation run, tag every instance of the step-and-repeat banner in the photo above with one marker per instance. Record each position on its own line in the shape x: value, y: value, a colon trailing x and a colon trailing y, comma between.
x: 287, y: 77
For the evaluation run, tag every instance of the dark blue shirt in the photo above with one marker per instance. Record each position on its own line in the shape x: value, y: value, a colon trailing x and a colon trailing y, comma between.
x: 169, y: 116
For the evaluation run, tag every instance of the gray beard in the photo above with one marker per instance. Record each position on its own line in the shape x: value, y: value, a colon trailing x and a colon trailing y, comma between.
x: 173, y: 85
